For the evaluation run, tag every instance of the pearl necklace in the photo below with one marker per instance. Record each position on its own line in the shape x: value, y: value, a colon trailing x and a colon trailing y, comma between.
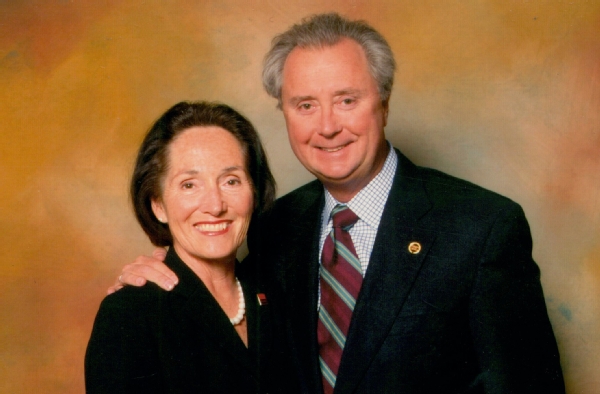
x: 242, y: 306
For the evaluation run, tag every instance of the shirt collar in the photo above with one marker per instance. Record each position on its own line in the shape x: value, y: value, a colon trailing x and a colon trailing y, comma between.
x: 369, y: 202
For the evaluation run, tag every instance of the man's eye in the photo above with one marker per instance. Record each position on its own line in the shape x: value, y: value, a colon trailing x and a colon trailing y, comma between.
x: 305, y: 106
x: 348, y: 101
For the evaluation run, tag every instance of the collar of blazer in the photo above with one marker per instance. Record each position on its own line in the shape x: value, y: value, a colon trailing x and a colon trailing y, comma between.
x: 193, y: 298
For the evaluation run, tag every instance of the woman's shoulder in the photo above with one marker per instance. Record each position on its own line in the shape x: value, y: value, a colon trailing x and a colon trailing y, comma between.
x: 122, y: 349
x: 132, y: 301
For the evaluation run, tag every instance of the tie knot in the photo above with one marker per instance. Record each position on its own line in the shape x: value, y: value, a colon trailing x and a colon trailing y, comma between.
x: 343, y: 217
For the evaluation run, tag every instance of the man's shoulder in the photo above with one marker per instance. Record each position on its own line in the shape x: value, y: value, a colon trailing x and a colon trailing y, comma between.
x: 443, y: 189
x: 298, y: 206
x: 448, y: 185
x: 301, y: 197
x: 313, y: 187
x: 451, y: 205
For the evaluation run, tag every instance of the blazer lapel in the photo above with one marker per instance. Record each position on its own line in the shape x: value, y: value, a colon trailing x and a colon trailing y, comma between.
x: 259, y: 327
x: 390, y: 276
x: 200, y: 306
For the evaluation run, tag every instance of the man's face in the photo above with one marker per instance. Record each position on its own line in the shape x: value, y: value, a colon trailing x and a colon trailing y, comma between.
x: 335, y: 116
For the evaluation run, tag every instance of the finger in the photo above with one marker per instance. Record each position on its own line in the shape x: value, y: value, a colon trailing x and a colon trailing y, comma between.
x: 159, y: 254
x: 144, y: 265
x: 149, y: 269
x: 126, y: 278
x: 114, y: 288
x: 118, y: 285
x: 132, y: 275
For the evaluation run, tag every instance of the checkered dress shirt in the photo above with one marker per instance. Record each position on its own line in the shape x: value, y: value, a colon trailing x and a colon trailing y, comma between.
x: 368, y: 205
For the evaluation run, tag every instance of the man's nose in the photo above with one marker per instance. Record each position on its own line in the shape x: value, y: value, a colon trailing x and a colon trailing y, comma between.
x: 330, y: 124
x: 212, y: 201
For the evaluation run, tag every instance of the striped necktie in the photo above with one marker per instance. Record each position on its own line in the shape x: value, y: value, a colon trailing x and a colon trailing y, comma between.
x: 341, y: 278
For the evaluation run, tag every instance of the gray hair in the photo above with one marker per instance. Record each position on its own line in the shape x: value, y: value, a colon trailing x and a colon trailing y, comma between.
x: 325, y: 30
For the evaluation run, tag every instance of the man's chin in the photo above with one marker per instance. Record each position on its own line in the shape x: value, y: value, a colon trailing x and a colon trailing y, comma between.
x: 332, y: 178
x: 338, y: 181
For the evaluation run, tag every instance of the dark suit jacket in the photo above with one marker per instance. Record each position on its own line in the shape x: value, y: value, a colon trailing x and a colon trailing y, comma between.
x: 148, y: 340
x: 464, y: 315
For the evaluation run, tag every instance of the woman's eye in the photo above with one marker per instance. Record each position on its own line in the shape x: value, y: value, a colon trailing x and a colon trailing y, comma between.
x: 232, y: 182
x: 187, y: 185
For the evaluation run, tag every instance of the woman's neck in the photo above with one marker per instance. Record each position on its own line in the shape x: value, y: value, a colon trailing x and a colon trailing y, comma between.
x: 216, y: 274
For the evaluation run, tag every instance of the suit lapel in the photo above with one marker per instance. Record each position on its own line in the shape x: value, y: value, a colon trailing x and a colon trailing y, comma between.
x: 391, y: 273
x: 301, y: 280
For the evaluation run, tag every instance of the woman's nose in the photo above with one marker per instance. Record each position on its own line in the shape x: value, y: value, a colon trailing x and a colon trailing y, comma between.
x: 213, y: 202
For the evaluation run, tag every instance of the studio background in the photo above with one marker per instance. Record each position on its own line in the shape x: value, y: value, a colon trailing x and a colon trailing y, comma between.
x: 505, y: 94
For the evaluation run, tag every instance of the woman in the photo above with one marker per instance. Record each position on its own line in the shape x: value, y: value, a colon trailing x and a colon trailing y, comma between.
x: 201, y: 174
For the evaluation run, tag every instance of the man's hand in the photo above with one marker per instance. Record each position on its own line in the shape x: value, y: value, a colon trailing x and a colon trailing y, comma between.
x: 144, y: 269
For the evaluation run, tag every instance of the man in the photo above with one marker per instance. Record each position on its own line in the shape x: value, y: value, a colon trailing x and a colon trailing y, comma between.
x: 390, y: 277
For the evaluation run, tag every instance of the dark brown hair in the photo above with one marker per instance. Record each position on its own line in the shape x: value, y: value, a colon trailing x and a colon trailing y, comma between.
x: 152, y: 160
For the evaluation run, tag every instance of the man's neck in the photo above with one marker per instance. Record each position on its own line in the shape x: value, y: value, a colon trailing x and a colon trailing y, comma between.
x: 344, y: 191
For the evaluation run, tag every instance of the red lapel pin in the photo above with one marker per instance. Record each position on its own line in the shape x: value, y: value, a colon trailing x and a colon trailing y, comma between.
x: 262, y: 299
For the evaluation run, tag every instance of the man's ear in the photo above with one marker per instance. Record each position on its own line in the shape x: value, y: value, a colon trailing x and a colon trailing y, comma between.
x: 386, y: 106
x: 159, y: 210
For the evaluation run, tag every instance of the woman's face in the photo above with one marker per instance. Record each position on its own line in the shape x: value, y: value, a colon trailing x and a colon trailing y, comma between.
x: 207, y: 196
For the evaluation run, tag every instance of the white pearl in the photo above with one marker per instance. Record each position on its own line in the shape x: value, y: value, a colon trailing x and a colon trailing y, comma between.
x: 241, y: 305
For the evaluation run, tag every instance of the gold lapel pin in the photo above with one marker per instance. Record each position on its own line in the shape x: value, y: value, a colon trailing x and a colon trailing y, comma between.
x: 414, y: 247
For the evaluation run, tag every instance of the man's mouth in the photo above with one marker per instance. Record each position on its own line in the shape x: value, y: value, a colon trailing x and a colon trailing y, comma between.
x: 337, y: 148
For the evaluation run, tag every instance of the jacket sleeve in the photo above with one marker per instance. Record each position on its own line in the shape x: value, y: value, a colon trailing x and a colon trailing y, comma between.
x: 121, y: 354
x: 511, y: 331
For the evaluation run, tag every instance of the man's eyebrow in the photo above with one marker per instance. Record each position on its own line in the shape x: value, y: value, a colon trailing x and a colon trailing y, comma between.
x: 295, y: 100
x: 351, y: 91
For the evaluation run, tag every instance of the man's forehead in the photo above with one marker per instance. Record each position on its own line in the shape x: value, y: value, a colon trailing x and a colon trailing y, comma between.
x: 339, y: 69
x: 322, y: 56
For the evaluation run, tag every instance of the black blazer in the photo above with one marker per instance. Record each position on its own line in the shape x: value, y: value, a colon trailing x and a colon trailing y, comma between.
x: 464, y: 315
x: 148, y: 340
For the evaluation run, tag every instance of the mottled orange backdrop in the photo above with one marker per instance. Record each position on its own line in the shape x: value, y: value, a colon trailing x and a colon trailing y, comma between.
x: 503, y: 93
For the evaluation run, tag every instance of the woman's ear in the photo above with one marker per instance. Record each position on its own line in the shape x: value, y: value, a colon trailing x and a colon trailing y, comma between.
x: 159, y: 211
